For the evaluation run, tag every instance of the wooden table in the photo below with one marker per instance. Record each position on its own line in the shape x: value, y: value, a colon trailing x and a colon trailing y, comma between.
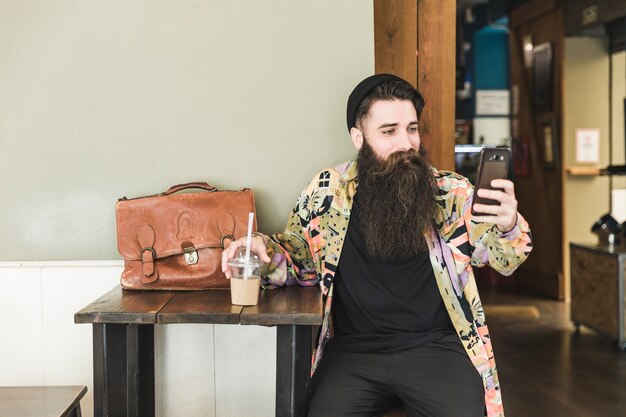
x: 49, y: 401
x: 123, y: 341
x: 599, y: 289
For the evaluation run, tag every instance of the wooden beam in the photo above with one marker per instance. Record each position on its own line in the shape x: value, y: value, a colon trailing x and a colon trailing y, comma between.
x: 436, y: 69
x: 395, y: 38
x: 401, y: 29
x: 531, y: 11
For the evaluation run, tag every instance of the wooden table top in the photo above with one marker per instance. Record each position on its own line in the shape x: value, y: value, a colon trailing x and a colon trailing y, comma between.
x: 51, y: 401
x: 200, y: 307
x: 292, y: 305
x: 297, y: 305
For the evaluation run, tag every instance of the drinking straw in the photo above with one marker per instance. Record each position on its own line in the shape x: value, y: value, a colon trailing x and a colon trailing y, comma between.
x: 248, y: 242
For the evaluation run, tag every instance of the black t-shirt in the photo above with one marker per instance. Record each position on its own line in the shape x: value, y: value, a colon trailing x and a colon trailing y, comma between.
x: 384, y: 306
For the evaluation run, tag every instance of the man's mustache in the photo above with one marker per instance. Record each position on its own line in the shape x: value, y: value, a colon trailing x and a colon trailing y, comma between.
x: 398, y: 159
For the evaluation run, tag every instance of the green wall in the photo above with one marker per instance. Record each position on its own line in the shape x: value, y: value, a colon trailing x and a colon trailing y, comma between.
x: 100, y: 100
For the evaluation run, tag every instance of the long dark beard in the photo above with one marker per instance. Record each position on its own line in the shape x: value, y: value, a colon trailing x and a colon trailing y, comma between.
x: 396, y: 201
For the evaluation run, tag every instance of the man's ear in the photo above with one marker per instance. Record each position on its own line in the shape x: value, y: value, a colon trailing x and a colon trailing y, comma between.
x: 357, y: 137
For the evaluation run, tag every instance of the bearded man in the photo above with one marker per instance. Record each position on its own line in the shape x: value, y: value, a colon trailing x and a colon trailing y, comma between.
x: 392, y: 242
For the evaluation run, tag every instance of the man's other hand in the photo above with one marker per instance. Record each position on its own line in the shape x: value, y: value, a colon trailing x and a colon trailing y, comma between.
x: 504, y: 216
x: 257, y: 245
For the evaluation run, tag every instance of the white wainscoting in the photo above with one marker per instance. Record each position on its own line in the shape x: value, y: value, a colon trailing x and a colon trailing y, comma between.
x: 201, y: 370
x: 618, y: 199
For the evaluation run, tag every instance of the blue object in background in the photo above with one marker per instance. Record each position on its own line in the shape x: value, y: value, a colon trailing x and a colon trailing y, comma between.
x: 487, y: 61
x: 491, y: 58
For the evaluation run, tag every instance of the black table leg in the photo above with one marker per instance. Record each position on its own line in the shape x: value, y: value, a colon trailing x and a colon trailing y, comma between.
x: 140, y: 365
x: 293, y: 370
x: 123, y: 370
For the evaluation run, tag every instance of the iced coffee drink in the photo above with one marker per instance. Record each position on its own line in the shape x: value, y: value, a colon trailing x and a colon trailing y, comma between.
x: 245, y: 280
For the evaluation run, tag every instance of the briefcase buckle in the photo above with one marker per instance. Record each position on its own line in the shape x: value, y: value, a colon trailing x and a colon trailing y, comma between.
x: 191, y: 255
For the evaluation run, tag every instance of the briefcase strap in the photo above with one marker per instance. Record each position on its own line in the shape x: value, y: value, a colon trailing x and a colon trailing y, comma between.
x: 146, y: 238
x: 179, y: 187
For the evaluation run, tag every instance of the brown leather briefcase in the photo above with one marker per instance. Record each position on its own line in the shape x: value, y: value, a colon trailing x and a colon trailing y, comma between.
x: 174, y: 241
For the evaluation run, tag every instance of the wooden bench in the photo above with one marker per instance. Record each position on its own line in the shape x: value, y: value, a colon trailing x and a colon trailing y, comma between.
x: 49, y: 401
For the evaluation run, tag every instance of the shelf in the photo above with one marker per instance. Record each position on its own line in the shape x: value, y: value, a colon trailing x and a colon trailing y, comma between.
x: 611, y: 170
x: 583, y: 171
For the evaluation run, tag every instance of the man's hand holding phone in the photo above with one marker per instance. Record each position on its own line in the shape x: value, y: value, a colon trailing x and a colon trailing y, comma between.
x: 503, y: 215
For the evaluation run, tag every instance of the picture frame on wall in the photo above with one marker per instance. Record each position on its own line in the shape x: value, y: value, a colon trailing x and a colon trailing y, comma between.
x: 550, y: 144
x: 587, y: 146
x: 542, y: 68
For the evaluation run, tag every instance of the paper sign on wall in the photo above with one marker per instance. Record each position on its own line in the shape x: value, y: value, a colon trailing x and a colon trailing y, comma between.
x: 587, y: 146
x: 492, y: 102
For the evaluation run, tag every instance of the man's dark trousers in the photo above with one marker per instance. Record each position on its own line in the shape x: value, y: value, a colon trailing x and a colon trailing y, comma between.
x: 433, y: 380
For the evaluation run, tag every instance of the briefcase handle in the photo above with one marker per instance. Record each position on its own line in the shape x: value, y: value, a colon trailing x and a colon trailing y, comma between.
x: 179, y: 187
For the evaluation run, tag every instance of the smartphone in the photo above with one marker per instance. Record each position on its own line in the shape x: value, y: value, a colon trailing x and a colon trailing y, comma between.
x: 494, y: 164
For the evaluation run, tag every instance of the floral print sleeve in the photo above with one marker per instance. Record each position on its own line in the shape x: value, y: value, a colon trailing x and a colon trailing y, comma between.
x: 504, y: 252
x: 289, y: 251
x: 478, y: 244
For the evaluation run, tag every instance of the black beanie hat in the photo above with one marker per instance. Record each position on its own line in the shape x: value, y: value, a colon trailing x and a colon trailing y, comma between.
x: 361, y: 91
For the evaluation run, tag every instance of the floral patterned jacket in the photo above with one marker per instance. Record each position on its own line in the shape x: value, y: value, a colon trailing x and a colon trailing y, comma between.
x: 307, y: 253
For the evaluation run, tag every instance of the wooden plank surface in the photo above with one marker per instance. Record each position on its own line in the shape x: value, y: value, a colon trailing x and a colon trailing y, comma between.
x: 200, y: 307
x: 436, y: 63
x: 416, y: 41
x: 582, y: 372
x: 120, y: 306
x: 295, y: 305
x: 51, y: 401
x: 395, y: 38
x: 292, y: 305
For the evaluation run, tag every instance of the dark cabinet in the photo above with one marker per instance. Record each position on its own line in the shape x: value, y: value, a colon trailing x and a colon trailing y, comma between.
x: 598, y: 289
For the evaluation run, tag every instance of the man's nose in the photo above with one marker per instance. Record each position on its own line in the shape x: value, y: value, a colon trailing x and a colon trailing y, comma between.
x: 404, y: 142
